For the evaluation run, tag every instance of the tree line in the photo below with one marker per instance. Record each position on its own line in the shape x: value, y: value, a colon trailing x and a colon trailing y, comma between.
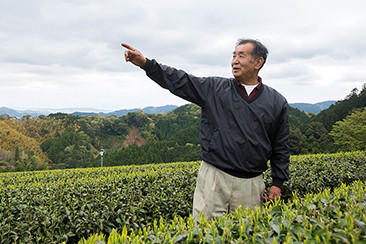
x: 69, y: 141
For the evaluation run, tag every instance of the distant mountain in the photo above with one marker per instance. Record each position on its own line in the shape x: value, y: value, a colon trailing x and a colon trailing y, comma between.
x: 86, y: 111
x: 147, y: 110
x: 305, y: 107
x: 312, y: 108
x: 18, y: 113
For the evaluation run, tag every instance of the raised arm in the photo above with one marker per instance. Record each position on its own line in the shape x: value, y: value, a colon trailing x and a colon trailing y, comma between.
x: 134, y: 56
x: 178, y: 82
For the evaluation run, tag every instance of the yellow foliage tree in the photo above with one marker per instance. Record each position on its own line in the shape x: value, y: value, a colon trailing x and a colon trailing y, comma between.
x: 26, y: 135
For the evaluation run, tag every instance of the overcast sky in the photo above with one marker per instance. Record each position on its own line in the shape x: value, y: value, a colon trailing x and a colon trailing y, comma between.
x: 60, y: 54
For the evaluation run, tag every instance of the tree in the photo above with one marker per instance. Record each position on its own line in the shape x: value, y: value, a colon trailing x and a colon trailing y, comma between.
x: 350, y: 133
x: 342, y: 108
x: 297, y: 142
x: 318, y: 139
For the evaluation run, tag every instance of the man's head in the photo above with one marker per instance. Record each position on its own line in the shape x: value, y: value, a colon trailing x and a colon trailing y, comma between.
x: 249, y: 57
x: 259, y: 50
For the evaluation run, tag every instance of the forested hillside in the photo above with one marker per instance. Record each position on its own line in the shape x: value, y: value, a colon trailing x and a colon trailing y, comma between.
x: 70, y: 141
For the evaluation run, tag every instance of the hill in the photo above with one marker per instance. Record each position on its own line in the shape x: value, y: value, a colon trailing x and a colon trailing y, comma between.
x: 17, y: 113
x: 84, y: 111
x: 64, y: 140
x: 40, y: 111
x: 342, y: 108
x: 147, y: 110
x: 312, y: 108
x: 305, y: 107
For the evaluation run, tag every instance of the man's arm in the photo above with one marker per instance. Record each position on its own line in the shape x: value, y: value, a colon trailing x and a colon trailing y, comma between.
x: 280, y: 158
x: 191, y: 88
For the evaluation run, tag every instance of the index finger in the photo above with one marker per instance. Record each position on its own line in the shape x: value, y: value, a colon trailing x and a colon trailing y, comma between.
x: 127, y: 46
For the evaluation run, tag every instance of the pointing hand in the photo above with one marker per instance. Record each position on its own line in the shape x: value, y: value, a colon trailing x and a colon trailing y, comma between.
x: 134, y: 56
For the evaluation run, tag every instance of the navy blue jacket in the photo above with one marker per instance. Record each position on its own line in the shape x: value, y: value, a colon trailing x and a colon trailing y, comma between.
x: 237, y: 135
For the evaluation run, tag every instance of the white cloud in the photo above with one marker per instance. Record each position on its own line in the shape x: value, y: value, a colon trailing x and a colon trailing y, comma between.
x: 61, y: 53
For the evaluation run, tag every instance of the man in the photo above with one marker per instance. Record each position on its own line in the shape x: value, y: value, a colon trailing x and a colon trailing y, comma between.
x: 244, y: 123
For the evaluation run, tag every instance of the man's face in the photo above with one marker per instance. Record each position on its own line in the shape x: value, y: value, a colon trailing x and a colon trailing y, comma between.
x: 243, y: 66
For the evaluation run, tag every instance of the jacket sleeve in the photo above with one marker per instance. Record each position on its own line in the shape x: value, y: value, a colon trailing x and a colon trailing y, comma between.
x: 280, y: 158
x: 186, y: 86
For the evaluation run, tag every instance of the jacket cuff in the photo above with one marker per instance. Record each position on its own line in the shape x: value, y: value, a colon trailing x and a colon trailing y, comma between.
x: 277, y: 182
x: 148, y: 65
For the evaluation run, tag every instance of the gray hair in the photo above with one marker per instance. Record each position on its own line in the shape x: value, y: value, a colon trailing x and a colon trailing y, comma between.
x: 259, y: 50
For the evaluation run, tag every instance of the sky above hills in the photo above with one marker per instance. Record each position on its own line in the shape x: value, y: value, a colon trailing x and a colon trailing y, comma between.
x: 57, y: 54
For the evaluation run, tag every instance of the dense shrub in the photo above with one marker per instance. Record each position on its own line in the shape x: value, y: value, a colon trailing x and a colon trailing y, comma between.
x: 67, y: 205
x: 317, y: 172
x: 326, y: 217
x: 55, y: 206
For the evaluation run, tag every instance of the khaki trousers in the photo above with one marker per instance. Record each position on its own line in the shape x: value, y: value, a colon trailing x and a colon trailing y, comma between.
x: 218, y: 192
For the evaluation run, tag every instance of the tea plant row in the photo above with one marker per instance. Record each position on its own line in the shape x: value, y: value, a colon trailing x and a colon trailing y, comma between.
x: 67, y: 205
x: 337, y: 216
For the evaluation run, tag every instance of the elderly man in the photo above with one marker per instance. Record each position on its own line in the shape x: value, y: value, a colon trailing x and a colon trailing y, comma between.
x: 244, y: 123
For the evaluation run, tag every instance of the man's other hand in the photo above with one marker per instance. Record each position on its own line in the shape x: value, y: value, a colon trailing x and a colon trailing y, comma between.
x: 274, y: 193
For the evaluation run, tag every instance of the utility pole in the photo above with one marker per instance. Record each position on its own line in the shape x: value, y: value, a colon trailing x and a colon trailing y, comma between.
x: 101, y: 157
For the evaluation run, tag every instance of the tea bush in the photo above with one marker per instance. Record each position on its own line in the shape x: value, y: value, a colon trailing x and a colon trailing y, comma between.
x: 67, y: 205
x: 326, y: 217
x: 316, y: 172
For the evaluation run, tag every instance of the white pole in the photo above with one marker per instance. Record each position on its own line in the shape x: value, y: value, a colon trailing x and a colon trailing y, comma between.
x: 101, y: 158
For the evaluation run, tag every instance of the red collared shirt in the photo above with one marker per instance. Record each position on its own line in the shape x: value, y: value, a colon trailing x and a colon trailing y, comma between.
x: 255, y: 90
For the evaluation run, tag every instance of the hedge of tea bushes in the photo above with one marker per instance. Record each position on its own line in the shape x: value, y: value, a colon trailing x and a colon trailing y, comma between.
x: 67, y: 205
x: 327, y: 217
x: 316, y: 172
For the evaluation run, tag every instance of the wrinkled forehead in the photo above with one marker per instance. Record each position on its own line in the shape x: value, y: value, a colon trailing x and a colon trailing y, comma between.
x: 243, y: 48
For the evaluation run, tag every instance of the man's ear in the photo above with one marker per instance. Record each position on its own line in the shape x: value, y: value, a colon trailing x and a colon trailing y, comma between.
x: 259, y: 62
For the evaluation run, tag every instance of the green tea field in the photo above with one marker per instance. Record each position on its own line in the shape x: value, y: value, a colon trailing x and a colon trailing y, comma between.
x: 324, y: 202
